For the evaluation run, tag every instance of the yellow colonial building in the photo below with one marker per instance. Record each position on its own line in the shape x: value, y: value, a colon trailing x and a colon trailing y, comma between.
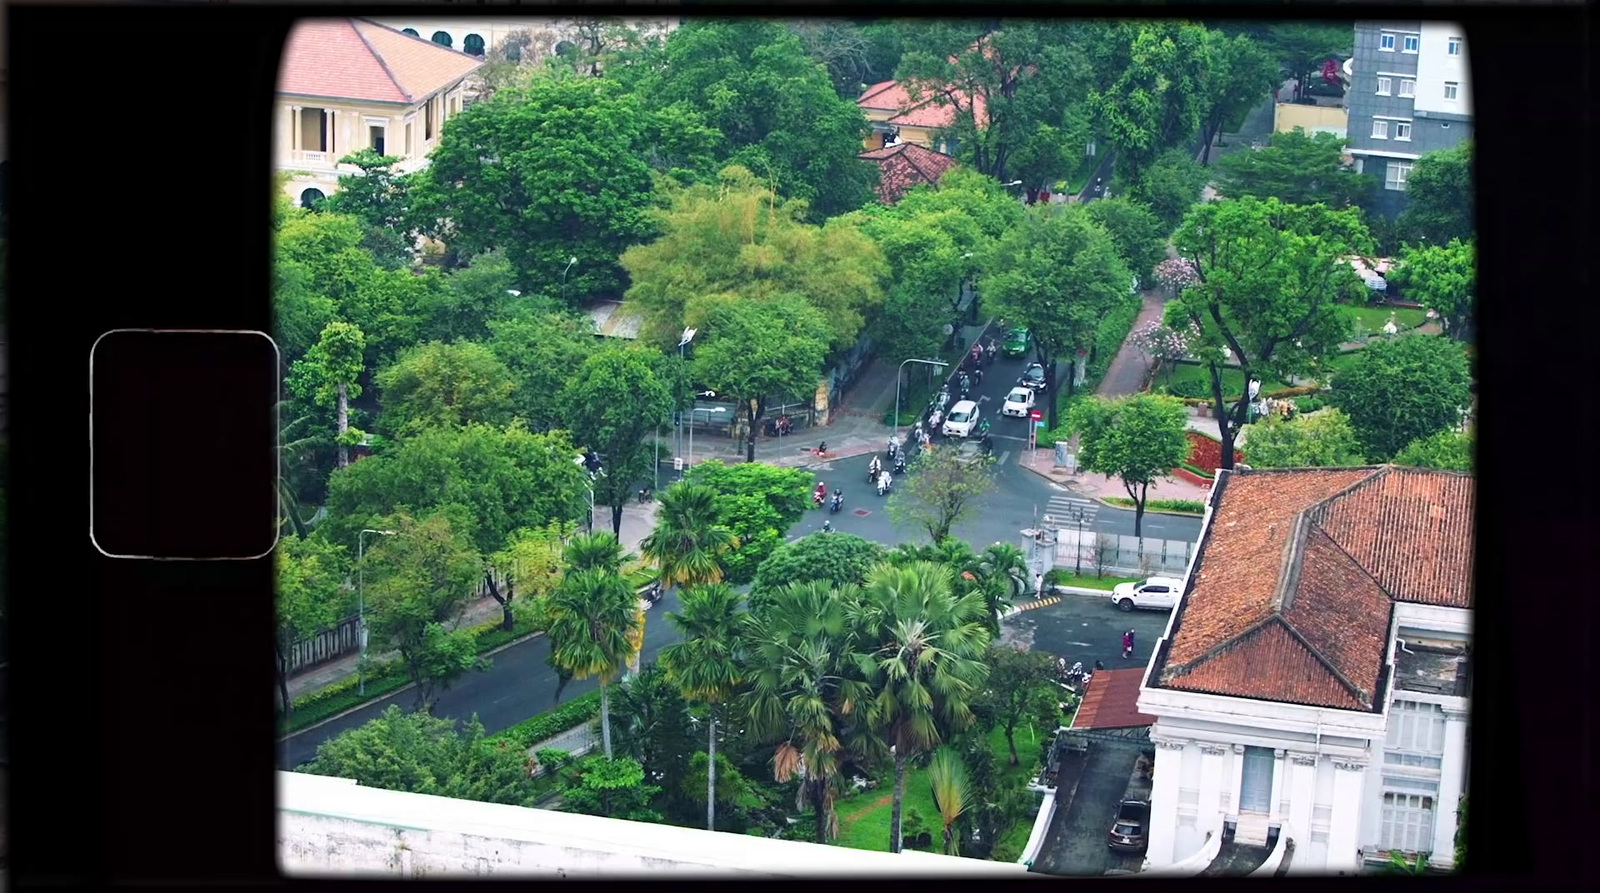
x: 351, y: 84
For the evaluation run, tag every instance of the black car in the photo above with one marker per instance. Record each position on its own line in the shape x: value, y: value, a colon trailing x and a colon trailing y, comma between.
x: 1130, y: 830
x: 1033, y: 378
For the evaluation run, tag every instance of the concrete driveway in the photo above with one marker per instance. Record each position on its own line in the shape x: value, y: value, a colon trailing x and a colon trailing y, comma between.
x: 1075, y: 843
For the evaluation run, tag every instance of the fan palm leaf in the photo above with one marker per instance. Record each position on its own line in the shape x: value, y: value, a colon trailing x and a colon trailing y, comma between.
x: 591, y: 614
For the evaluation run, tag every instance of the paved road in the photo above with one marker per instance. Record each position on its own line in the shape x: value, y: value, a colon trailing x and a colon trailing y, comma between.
x: 518, y: 685
x: 1087, y: 628
x: 1075, y: 843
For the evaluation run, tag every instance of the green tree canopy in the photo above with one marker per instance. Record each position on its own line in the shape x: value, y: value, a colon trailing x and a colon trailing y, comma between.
x: 417, y: 582
x: 542, y: 350
x: 1301, y: 47
x: 380, y: 197
x: 1240, y: 73
x: 1170, y: 186
x: 1296, y: 168
x: 736, y: 238
x: 1138, y: 439
x: 1449, y: 450
x: 758, y: 503
x: 311, y: 596
x: 777, y: 109
x: 612, y: 788
x: 593, y: 615
x: 328, y: 374
x: 755, y: 351
x: 839, y: 559
x: 1019, y: 680
x: 1137, y: 232
x: 438, y: 385
x: 1440, y: 207
x: 567, y: 176
x: 504, y: 478
x: 1157, y: 102
x: 1059, y: 274
x: 1402, y: 389
x: 1320, y: 439
x: 1271, y: 278
x: 421, y: 754
x: 1443, y: 278
x: 612, y: 402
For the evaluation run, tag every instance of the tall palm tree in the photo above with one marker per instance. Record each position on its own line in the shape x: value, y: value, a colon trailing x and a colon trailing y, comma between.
x: 803, y: 693
x: 687, y: 543
x: 596, y: 551
x: 922, y: 650
x: 1007, y: 563
x: 952, y: 793
x: 705, y: 665
x: 592, y: 614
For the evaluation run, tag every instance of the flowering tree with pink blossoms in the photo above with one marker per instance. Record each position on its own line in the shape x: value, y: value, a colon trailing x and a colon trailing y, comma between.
x: 1164, y: 344
x: 1176, y: 274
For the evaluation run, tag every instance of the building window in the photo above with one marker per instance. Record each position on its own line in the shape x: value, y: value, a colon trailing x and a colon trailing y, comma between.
x: 1408, y: 88
x: 1384, y: 86
x: 427, y: 119
x: 1402, y: 130
x: 1380, y: 129
x: 1454, y: 46
x: 1395, y: 177
x: 1410, y: 44
x: 1413, y: 726
x: 1451, y: 88
x: 375, y: 137
x: 410, y: 31
x: 473, y: 45
x: 1386, y: 42
x: 409, y: 151
x: 1407, y: 823
x: 443, y: 38
x: 312, y: 199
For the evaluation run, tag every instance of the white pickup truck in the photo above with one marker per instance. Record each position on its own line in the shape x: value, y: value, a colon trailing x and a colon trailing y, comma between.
x: 1155, y: 593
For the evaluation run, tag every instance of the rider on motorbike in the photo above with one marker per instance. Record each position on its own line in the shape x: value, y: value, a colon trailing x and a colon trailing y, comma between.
x: 820, y: 493
x: 884, y: 482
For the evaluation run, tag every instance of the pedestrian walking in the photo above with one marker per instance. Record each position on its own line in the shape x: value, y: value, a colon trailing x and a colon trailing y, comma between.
x: 1038, y: 585
x: 1127, y: 644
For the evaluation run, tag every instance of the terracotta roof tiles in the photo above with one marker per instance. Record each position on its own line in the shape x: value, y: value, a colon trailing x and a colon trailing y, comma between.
x: 901, y: 168
x: 1292, y: 592
x: 364, y: 61
x: 1112, y: 702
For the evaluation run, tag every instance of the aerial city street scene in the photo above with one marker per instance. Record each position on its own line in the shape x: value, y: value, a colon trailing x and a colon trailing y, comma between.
x: 810, y: 447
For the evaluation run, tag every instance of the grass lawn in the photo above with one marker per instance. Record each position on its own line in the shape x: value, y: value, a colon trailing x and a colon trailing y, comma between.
x: 864, y: 819
x: 1370, y: 320
x: 1090, y: 581
x: 1232, y: 380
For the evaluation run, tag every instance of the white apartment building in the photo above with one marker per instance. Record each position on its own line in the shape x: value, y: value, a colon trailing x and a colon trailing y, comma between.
x: 1312, y: 685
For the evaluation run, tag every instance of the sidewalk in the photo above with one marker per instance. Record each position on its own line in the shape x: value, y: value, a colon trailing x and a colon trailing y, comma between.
x: 1099, y: 486
x: 637, y: 522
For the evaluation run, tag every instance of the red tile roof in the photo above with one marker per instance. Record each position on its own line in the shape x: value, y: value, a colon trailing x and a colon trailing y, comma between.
x: 364, y: 61
x: 903, y: 167
x: 892, y: 96
x: 1291, y: 596
x: 1112, y: 702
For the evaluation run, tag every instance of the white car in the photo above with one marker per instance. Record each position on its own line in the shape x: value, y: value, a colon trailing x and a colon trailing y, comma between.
x: 1158, y: 593
x: 963, y: 417
x: 1018, y: 403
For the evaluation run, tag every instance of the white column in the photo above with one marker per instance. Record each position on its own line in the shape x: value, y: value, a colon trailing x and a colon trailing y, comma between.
x: 1165, y: 775
x: 330, y: 132
x: 1280, y: 767
x: 1235, y: 783
x: 1343, y: 846
x: 1211, y: 769
x: 1452, y: 779
x: 1302, y: 791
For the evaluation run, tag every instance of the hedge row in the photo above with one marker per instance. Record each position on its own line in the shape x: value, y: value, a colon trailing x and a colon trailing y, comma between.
x: 1188, y: 506
x: 570, y: 715
x: 386, y: 677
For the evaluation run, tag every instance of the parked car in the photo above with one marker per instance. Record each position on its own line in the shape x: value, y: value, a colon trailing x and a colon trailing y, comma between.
x: 962, y: 419
x: 1032, y: 378
x: 1158, y: 593
x: 1130, y: 830
x: 1018, y: 403
x: 1017, y: 342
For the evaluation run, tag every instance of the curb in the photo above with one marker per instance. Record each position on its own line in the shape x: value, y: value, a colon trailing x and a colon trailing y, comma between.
x: 1129, y: 508
x: 402, y: 689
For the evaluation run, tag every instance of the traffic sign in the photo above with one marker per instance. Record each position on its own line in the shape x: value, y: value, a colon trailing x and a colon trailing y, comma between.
x: 1038, y: 414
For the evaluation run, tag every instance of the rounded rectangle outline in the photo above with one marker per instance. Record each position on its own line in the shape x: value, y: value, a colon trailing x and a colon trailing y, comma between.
x: 276, y: 424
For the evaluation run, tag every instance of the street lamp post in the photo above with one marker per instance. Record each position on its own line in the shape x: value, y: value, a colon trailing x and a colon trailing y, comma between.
x: 688, y: 335
x: 1078, y: 518
x: 570, y: 262
x: 361, y: 602
x: 898, y: 376
x: 1249, y: 410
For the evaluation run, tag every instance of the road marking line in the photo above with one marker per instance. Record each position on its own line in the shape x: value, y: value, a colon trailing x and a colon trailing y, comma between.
x: 1003, y: 457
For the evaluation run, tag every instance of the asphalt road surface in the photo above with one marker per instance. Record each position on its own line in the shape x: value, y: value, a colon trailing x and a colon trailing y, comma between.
x: 1087, y: 628
x: 519, y: 684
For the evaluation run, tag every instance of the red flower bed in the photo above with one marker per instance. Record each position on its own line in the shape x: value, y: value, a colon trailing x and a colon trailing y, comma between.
x: 1206, y: 453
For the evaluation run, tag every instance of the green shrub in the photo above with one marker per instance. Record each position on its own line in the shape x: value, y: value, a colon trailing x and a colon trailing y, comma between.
x: 1005, y: 851
x: 1108, y: 337
x: 570, y: 715
x: 1309, y: 404
x: 1200, y: 471
x: 1192, y: 388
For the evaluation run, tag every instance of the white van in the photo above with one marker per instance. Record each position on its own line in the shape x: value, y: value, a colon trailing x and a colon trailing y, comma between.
x: 1156, y: 593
